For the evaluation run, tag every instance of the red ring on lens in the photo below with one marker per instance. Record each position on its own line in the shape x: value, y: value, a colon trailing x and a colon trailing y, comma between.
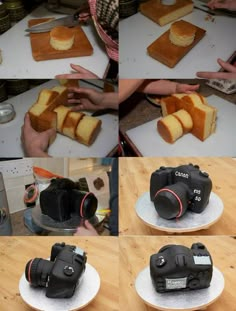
x: 81, y: 205
x: 176, y: 196
x: 29, y: 270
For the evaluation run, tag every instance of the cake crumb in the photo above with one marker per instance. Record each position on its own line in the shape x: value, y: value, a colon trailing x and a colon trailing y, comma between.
x: 209, y: 18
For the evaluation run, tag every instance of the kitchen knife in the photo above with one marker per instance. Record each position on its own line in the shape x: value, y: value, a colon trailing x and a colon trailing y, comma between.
x: 69, y: 21
x: 198, y: 4
x: 101, y: 112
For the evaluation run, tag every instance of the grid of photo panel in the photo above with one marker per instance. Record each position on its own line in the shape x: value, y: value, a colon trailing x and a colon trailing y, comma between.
x: 117, y: 155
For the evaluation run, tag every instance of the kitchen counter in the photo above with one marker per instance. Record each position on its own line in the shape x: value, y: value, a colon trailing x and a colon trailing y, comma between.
x: 134, y: 257
x: 137, y: 110
x: 19, y: 63
x: 218, y: 42
x: 134, y: 178
x: 102, y: 254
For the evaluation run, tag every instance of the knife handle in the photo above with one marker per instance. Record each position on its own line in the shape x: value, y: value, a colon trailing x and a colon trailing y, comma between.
x: 83, y: 8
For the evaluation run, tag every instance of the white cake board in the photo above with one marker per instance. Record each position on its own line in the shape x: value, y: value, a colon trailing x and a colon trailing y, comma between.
x: 85, y: 292
x: 188, y: 222
x: 179, y: 300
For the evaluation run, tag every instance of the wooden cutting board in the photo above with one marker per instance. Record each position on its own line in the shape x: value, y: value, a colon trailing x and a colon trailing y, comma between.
x: 164, y: 14
x: 169, y: 54
x: 42, y: 50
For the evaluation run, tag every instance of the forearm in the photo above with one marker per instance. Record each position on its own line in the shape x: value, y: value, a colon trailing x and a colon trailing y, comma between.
x: 111, y: 100
x: 162, y: 87
x: 127, y: 87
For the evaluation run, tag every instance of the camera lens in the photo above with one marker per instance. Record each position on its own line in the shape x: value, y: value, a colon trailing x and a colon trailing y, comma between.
x: 37, y: 271
x: 172, y: 201
x: 88, y: 205
x: 84, y: 203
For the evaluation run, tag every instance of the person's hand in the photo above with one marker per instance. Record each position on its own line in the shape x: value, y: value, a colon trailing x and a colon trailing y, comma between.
x: 222, y: 4
x: 35, y: 144
x: 165, y: 87
x: 81, y: 73
x: 229, y: 74
x: 83, y: 17
x: 90, y: 99
x: 186, y: 88
x: 86, y: 230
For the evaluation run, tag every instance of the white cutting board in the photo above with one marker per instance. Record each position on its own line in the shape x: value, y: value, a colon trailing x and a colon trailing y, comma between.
x: 134, y: 62
x: 10, y: 142
x: 222, y: 143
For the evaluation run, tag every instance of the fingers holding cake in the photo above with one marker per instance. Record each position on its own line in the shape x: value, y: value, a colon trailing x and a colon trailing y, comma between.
x: 35, y: 144
x: 90, y: 99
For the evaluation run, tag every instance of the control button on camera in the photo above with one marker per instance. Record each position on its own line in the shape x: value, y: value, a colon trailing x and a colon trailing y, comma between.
x: 68, y: 270
x: 193, y: 283
x: 160, y: 262
x: 162, y: 168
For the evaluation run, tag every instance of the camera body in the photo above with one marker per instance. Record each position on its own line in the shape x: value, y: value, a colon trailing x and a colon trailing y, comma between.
x: 176, y: 267
x: 173, y: 190
x: 62, y: 200
x: 61, y: 274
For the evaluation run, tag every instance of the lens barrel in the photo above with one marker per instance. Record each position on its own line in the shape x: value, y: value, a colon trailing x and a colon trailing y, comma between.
x: 84, y: 203
x: 37, y: 271
x: 172, y: 201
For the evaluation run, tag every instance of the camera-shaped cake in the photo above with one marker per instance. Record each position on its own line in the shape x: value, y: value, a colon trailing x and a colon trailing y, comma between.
x: 176, y: 267
x: 63, y: 199
x: 174, y: 190
x: 61, y: 274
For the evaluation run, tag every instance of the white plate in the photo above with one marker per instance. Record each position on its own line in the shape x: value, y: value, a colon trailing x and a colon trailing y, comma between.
x: 179, y: 300
x: 84, y: 293
x: 188, y: 222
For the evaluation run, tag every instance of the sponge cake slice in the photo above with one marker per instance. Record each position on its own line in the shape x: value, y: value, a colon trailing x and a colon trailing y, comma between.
x: 71, y: 123
x: 62, y: 112
x: 88, y: 129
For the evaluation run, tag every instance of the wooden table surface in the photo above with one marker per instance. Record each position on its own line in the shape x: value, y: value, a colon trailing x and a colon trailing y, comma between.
x: 15, y: 252
x: 134, y: 257
x: 134, y: 180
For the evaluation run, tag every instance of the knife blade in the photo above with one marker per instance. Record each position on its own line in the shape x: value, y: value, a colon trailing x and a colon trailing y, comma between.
x: 204, y: 10
x: 202, y: 6
x: 102, y: 112
x: 222, y: 11
x: 69, y: 21
x: 216, y: 12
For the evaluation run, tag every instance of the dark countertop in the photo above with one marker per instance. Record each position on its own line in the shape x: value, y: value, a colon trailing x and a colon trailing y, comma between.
x: 136, y: 110
x: 19, y: 228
